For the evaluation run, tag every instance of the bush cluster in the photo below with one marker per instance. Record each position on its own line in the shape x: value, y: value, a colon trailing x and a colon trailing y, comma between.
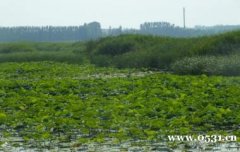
x: 210, y: 65
x: 159, y: 52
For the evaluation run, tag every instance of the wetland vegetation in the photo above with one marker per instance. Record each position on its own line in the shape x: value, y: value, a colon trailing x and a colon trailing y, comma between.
x: 123, y: 90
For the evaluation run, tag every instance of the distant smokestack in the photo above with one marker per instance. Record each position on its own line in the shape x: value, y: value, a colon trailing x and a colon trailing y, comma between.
x: 184, y: 17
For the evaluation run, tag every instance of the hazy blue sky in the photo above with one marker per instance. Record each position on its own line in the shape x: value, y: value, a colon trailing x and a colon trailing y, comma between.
x: 128, y: 13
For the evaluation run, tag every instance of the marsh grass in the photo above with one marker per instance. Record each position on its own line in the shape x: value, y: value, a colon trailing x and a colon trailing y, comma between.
x: 211, y: 55
x: 29, y: 51
x: 159, y: 52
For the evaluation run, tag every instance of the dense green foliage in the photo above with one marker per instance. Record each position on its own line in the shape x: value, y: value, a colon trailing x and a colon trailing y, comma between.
x: 58, y: 101
x: 210, y: 65
x: 26, y: 51
x: 90, y: 101
x: 180, y: 55
x: 158, y: 52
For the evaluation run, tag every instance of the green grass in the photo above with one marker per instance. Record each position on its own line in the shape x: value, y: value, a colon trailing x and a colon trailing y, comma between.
x: 158, y: 52
x: 135, y: 51
x: 59, y: 56
x: 56, y: 101
x: 27, y: 52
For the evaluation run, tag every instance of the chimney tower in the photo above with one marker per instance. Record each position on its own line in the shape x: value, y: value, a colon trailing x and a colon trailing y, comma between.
x: 184, y: 17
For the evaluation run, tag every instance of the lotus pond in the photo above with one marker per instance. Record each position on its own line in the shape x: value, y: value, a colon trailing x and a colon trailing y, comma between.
x: 49, y: 105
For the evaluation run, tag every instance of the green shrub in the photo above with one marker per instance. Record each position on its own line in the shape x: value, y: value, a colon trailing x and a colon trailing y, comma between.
x: 159, y: 52
x: 116, y: 48
x: 210, y: 65
x: 15, y: 48
x: 67, y: 57
x: 27, y: 52
x: 102, y: 60
x: 223, y: 44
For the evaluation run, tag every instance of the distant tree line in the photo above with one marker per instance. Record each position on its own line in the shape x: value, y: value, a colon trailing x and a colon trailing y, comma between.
x: 51, y: 33
x: 93, y: 31
x: 168, y: 29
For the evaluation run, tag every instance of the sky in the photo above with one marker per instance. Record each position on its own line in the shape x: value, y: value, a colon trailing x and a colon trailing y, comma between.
x: 115, y: 13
